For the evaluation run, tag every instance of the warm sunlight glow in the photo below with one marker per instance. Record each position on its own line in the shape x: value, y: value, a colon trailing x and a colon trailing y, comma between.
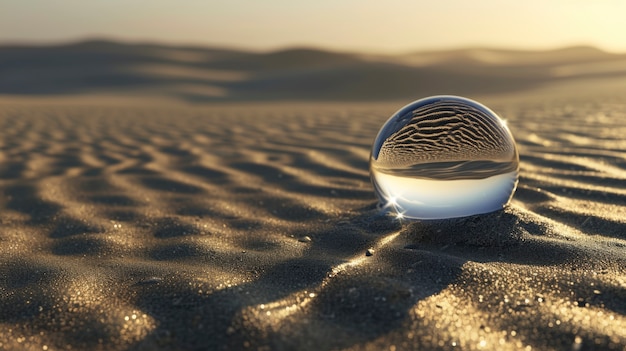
x: 390, y: 26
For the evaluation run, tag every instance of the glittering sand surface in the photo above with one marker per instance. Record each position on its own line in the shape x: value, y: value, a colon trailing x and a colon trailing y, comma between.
x: 181, y: 227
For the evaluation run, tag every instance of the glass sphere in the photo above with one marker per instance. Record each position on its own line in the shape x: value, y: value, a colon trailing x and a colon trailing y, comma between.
x: 444, y: 157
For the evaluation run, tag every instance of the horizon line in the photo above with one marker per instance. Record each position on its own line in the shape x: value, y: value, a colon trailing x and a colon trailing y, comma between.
x: 286, y: 47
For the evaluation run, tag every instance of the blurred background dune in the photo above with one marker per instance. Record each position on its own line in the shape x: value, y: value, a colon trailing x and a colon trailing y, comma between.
x: 278, y: 50
x: 204, y: 74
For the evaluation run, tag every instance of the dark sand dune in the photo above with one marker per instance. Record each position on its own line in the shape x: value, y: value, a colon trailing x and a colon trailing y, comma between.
x: 208, y: 75
x: 163, y: 226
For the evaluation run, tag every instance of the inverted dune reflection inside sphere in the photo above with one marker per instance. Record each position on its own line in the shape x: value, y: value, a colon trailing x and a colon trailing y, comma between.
x: 444, y: 157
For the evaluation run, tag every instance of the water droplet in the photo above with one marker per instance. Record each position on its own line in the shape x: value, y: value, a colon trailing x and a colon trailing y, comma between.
x: 444, y: 157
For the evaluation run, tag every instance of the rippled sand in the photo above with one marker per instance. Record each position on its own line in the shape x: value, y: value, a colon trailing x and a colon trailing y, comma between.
x: 163, y: 226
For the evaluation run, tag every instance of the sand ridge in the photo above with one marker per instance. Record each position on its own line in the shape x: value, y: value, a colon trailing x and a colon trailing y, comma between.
x: 246, y: 226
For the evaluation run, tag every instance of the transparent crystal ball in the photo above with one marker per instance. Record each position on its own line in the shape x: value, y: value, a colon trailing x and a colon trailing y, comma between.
x: 444, y: 157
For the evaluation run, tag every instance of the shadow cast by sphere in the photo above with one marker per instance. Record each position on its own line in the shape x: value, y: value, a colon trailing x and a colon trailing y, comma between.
x: 370, y: 298
x: 492, y: 237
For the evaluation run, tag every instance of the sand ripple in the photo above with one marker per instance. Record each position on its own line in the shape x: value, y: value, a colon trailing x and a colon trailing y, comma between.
x: 176, y: 227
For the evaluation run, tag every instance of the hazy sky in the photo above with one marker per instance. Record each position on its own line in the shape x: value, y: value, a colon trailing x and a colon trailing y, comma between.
x: 369, y: 25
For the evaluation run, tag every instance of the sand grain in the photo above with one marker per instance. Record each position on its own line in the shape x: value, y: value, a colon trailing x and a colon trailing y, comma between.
x: 181, y: 227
